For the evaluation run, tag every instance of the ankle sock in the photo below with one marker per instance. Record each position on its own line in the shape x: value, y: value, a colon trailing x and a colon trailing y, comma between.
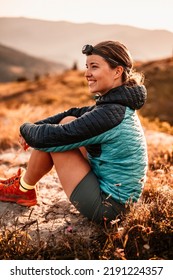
x: 24, y: 187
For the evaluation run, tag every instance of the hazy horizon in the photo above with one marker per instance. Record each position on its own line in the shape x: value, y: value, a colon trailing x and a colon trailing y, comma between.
x: 155, y: 14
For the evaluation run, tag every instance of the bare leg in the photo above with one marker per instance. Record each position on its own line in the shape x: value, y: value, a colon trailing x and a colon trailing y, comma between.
x: 71, y: 166
x: 39, y: 164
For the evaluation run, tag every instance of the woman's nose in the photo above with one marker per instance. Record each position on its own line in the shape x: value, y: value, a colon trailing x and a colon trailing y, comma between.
x: 87, y: 73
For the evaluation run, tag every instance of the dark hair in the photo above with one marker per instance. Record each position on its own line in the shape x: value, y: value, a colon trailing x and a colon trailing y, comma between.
x: 118, y: 52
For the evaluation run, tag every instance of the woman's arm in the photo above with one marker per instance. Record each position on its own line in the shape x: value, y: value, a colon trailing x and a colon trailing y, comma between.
x: 76, y: 133
x: 55, y: 119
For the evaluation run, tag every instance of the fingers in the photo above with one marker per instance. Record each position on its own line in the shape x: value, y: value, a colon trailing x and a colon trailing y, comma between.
x: 23, y: 143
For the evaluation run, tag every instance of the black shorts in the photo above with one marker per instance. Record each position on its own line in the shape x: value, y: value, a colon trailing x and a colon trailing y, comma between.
x: 93, y: 203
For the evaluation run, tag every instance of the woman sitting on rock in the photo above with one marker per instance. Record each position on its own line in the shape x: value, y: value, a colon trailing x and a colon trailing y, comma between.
x: 99, y: 152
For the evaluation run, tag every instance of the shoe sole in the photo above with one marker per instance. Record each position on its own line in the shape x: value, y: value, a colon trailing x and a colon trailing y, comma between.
x: 21, y: 202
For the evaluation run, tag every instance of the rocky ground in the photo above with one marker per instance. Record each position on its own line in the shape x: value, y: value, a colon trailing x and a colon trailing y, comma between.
x: 54, y: 215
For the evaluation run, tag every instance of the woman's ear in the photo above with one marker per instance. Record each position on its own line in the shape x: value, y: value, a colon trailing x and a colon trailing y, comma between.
x: 119, y: 71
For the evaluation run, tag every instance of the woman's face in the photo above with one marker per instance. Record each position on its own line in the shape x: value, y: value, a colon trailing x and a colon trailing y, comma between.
x: 101, y: 78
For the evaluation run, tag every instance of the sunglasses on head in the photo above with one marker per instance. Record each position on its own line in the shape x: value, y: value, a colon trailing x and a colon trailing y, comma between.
x: 89, y: 49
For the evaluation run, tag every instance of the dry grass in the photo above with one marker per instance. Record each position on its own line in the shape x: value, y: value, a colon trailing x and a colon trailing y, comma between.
x: 146, y: 232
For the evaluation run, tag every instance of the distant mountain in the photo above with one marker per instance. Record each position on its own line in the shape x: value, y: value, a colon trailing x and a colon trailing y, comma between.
x: 62, y: 41
x: 18, y: 65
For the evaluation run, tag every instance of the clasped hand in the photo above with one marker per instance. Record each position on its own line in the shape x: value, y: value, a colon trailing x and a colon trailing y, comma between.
x: 23, y: 143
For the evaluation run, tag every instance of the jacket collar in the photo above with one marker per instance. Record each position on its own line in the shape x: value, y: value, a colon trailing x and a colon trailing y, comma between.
x: 133, y: 97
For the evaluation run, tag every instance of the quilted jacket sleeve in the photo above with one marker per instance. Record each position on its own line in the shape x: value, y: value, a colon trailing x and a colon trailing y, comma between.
x: 73, y: 134
x: 76, y: 112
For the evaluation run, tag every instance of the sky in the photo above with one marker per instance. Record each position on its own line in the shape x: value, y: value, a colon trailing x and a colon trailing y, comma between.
x: 147, y: 14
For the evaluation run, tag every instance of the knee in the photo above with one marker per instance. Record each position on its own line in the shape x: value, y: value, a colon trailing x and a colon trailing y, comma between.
x: 67, y: 119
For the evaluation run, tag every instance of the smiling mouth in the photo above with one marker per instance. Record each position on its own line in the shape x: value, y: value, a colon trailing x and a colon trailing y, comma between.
x: 90, y: 83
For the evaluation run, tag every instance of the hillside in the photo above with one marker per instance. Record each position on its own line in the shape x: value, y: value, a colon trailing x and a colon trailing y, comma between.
x: 18, y: 65
x: 159, y: 83
x: 62, y: 41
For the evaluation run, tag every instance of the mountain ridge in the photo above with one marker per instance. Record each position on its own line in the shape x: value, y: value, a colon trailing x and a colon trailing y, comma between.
x: 16, y: 65
x: 61, y: 41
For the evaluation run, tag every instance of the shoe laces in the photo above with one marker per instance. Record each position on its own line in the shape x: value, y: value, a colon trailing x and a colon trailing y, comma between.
x: 12, y: 188
x: 10, y: 181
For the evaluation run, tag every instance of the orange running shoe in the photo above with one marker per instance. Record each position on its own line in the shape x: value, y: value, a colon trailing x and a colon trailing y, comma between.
x: 10, y: 192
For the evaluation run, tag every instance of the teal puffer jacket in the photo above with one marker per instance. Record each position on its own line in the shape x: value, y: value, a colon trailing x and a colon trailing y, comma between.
x: 112, y: 134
